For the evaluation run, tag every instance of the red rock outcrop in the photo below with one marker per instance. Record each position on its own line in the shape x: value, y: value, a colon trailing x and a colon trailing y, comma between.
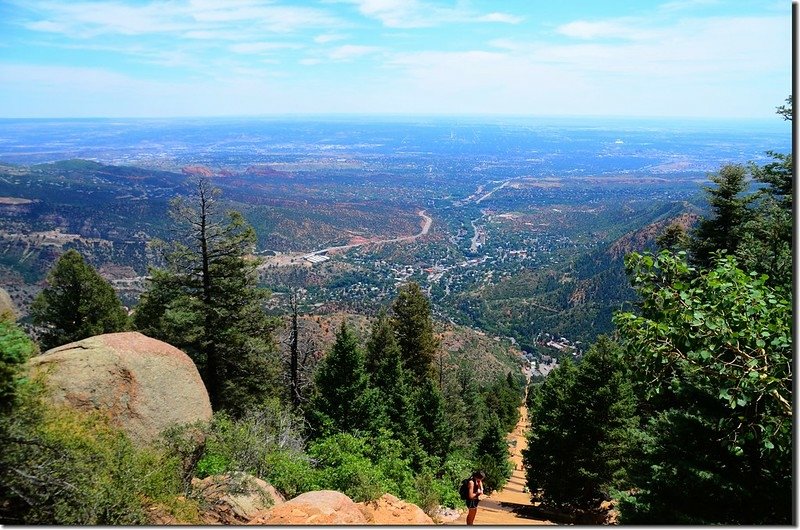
x: 202, y: 171
x: 143, y: 384
x: 389, y: 510
x: 314, y: 507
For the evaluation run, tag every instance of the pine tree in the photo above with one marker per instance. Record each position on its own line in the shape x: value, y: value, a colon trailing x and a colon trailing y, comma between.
x: 493, y: 456
x: 344, y: 402
x: 711, y: 353
x: 473, y: 401
x: 673, y: 238
x: 77, y: 303
x: 386, y: 374
x: 778, y: 175
x: 206, y: 302
x: 722, y: 230
x: 766, y: 245
x: 582, y: 423
x: 414, y: 327
x: 433, y: 430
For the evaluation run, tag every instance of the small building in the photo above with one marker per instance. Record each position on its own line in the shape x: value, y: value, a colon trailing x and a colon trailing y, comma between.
x: 314, y: 258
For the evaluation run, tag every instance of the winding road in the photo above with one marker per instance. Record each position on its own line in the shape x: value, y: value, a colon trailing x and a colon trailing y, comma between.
x: 426, y: 226
x: 294, y: 258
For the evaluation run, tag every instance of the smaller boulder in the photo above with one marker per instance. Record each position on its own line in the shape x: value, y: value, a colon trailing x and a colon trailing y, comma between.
x: 234, y: 498
x: 314, y: 508
x: 389, y: 510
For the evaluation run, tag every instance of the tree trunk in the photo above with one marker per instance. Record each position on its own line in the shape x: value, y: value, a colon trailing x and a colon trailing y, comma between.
x: 294, y: 381
x: 212, y: 363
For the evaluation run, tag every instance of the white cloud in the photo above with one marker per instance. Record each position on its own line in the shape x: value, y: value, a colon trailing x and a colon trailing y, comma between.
x: 261, y: 47
x: 695, y: 67
x: 275, y: 18
x: 682, y: 5
x: 196, y: 19
x: 615, y: 29
x: 351, y: 51
x: 416, y: 14
x: 504, y: 18
x: 325, y: 38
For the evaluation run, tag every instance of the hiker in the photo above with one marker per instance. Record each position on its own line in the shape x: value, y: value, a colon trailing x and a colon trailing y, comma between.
x: 474, y: 492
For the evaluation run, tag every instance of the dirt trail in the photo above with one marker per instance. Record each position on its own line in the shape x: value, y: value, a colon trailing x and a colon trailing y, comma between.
x: 498, y: 508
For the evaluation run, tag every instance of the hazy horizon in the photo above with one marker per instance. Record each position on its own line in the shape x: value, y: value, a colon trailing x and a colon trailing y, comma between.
x: 702, y: 59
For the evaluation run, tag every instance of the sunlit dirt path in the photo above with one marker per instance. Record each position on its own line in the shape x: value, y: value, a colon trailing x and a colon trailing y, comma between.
x: 499, y: 507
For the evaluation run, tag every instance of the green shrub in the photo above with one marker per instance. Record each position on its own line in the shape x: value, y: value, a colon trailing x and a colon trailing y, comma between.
x: 245, y: 444
x: 456, y: 468
x: 386, y: 453
x: 15, y: 349
x: 212, y: 464
x: 290, y: 472
x: 66, y: 467
x: 343, y: 465
x: 428, y: 496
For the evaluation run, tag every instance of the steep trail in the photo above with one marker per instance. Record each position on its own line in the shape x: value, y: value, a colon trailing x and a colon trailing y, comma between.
x: 498, y: 508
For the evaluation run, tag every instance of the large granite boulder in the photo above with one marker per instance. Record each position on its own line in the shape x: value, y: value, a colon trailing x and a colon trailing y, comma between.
x: 324, y: 507
x: 389, y: 510
x: 8, y: 311
x: 143, y: 384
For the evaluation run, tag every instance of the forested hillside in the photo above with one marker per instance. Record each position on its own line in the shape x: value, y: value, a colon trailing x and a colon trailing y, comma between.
x: 400, y: 406
x: 684, y: 415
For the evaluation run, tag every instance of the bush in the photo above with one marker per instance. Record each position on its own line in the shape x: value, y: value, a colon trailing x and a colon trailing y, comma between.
x: 66, y: 467
x: 386, y: 453
x: 290, y: 472
x: 343, y: 465
x: 456, y: 468
x: 15, y: 349
x: 428, y: 492
x: 246, y: 444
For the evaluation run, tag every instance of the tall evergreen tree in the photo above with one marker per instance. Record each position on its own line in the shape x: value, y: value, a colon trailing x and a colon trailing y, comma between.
x: 477, y: 413
x: 582, y: 424
x: 711, y: 355
x: 458, y: 414
x: 414, y: 327
x: 206, y: 302
x: 766, y: 245
x: 493, y: 456
x: 433, y: 430
x: 722, y: 230
x: 344, y: 401
x: 778, y: 175
x: 386, y: 373
x: 77, y: 303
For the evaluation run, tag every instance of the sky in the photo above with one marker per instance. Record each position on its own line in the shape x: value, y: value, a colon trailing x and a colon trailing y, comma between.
x: 170, y: 58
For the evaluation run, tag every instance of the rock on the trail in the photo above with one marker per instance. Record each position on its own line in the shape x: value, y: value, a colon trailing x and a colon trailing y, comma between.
x: 390, y: 510
x: 314, y: 507
x: 143, y: 384
x: 235, y: 498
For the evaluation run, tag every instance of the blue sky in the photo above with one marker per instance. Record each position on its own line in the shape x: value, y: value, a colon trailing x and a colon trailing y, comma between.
x: 672, y: 58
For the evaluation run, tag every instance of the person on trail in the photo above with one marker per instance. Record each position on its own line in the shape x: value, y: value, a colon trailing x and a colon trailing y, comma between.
x: 474, y: 492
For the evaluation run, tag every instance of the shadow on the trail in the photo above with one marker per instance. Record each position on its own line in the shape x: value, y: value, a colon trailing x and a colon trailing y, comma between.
x: 526, y: 511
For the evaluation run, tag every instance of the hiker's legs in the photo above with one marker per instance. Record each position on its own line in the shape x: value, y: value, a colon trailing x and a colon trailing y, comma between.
x: 471, y: 515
